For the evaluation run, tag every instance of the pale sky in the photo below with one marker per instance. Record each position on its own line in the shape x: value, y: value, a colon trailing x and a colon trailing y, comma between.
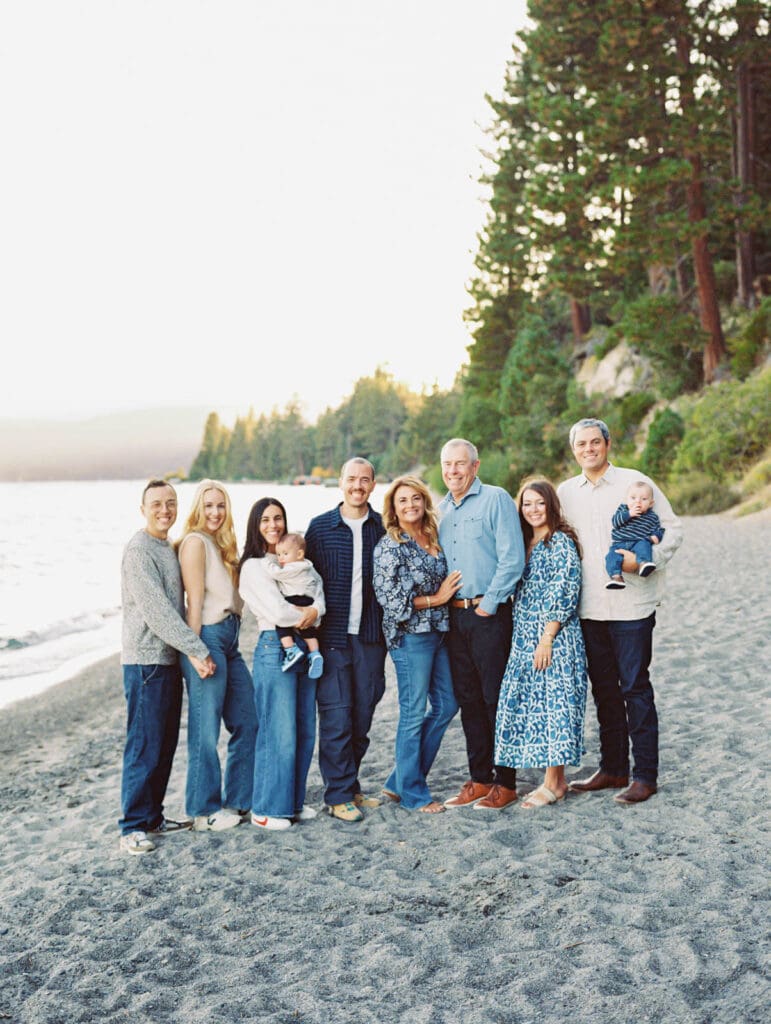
x: 229, y: 204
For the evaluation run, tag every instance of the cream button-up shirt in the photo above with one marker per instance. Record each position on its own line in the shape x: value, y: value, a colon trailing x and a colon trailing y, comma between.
x: 589, y: 509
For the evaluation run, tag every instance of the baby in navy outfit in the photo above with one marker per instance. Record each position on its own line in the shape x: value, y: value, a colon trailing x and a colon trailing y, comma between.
x: 636, y: 528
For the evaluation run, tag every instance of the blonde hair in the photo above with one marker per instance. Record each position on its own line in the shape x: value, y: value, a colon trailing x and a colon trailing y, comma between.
x: 225, y: 537
x: 430, y: 524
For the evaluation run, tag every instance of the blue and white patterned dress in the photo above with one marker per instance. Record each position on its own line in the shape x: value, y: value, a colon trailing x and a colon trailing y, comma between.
x: 540, y: 720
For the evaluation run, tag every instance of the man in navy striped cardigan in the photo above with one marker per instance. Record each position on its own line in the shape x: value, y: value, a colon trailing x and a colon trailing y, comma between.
x: 340, y: 545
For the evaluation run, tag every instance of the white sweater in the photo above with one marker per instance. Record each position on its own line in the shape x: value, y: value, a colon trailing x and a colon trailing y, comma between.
x: 262, y: 597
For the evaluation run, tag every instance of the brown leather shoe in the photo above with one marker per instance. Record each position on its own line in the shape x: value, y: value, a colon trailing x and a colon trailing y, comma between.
x: 636, y: 793
x: 600, y: 780
x: 498, y: 798
x: 470, y: 792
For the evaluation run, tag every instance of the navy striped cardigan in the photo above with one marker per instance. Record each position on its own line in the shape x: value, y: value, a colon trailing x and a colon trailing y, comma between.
x: 329, y: 545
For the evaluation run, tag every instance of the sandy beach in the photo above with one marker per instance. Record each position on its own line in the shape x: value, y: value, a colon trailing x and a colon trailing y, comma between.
x: 581, y: 912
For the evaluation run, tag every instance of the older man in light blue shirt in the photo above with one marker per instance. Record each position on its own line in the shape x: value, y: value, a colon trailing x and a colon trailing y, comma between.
x: 481, y: 536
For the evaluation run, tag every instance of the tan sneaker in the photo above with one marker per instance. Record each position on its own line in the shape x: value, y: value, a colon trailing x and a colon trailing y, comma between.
x: 470, y: 792
x: 345, y: 812
x: 366, y: 801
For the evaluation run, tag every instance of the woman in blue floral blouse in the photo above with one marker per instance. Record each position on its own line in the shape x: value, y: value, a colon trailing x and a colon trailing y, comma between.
x: 541, y: 705
x: 412, y: 585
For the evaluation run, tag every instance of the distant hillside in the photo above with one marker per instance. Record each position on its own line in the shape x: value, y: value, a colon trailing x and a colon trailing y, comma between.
x: 123, y: 445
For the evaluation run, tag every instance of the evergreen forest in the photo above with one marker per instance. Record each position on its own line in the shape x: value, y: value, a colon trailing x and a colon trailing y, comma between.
x: 623, y: 270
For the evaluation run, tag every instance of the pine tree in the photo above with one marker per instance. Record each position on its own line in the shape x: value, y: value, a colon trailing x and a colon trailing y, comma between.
x: 211, y: 459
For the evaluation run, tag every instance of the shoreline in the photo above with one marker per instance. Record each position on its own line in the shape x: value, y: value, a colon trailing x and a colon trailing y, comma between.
x: 586, y: 909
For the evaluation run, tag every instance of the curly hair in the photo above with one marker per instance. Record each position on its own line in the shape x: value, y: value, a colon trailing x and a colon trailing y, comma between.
x: 390, y: 520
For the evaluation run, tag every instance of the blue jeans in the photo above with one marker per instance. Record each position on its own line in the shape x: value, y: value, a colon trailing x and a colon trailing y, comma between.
x: 286, y: 713
x: 618, y: 656
x: 153, y: 702
x: 642, y: 550
x: 228, y: 697
x: 350, y: 689
x: 422, y: 674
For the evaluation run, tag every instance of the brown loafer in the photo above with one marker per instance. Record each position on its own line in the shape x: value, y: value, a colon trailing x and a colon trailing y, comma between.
x: 636, y: 794
x: 600, y: 780
x: 470, y: 792
x: 498, y: 798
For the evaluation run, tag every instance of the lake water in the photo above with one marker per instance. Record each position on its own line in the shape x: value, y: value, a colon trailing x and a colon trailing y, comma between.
x: 60, y: 552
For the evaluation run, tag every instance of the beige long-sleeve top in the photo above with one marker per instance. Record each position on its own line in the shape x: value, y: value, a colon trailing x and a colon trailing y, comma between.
x: 589, y: 509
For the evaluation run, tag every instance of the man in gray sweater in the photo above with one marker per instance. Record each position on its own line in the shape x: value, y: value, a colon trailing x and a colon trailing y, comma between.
x: 154, y: 630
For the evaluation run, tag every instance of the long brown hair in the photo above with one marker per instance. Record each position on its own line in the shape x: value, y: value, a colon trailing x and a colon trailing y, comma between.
x: 554, y: 518
x: 430, y: 525
x: 255, y: 545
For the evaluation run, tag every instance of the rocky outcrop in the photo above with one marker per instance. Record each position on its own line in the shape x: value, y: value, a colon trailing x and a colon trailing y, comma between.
x: 620, y: 372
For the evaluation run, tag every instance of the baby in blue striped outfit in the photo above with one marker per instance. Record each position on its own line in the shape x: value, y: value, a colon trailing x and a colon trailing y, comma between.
x: 636, y: 528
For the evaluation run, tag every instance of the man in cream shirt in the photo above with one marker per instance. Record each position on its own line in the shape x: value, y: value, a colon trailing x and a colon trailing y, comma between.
x: 617, y: 624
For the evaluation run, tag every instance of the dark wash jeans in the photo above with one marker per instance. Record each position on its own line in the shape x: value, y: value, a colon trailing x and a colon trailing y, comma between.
x: 619, y: 654
x: 479, y: 649
x: 154, y: 702
x: 348, y: 692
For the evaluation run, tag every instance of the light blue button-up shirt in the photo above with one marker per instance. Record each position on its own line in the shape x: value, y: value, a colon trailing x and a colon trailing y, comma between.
x: 481, y: 537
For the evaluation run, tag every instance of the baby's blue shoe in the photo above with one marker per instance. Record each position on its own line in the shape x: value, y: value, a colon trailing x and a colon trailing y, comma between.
x: 316, y: 665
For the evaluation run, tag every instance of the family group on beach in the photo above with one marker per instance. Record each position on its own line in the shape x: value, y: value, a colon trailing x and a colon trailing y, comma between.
x: 487, y: 605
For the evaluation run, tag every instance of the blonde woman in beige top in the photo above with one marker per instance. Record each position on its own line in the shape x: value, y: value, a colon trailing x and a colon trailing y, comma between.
x: 208, y: 558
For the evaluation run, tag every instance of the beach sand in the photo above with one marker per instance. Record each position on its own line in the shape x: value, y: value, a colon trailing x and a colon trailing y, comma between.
x: 581, y: 912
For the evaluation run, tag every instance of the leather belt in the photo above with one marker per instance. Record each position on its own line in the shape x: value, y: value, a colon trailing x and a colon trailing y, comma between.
x: 466, y: 602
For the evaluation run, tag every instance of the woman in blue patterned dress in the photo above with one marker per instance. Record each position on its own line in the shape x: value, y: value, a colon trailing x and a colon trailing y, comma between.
x: 540, y: 720
x: 412, y: 585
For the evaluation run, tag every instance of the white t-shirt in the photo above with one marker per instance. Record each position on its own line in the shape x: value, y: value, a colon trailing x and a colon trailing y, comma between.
x: 356, y: 526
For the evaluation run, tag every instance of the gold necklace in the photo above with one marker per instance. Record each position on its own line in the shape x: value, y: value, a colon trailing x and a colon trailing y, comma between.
x: 420, y: 540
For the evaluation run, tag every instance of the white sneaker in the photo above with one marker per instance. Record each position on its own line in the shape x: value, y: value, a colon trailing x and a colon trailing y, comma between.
x: 243, y: 815
x: 217, y: 822
x: 306, y: 813
x: 272, y: 823
x: 136, y: 843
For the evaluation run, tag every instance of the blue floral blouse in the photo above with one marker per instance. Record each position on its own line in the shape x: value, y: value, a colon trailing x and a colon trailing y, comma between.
x: 402, y: 572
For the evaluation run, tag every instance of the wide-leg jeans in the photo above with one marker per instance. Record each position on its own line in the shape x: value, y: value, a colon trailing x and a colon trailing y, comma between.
x: 227, y: 696
x: 153, y: 704
x: 423, y: 676
x: 618, y: 655
x: 286, y: 733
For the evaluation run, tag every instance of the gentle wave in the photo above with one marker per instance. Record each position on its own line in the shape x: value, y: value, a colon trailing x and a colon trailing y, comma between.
x: 82, y: 623
x: 60, y: 550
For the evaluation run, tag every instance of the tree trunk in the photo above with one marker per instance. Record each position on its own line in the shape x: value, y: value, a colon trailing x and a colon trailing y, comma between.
x: 744, y: 151
x: 580, y: 318
x: 709, y: 311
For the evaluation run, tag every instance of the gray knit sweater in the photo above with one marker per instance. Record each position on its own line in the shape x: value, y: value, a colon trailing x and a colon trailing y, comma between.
x: 154, y: 628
